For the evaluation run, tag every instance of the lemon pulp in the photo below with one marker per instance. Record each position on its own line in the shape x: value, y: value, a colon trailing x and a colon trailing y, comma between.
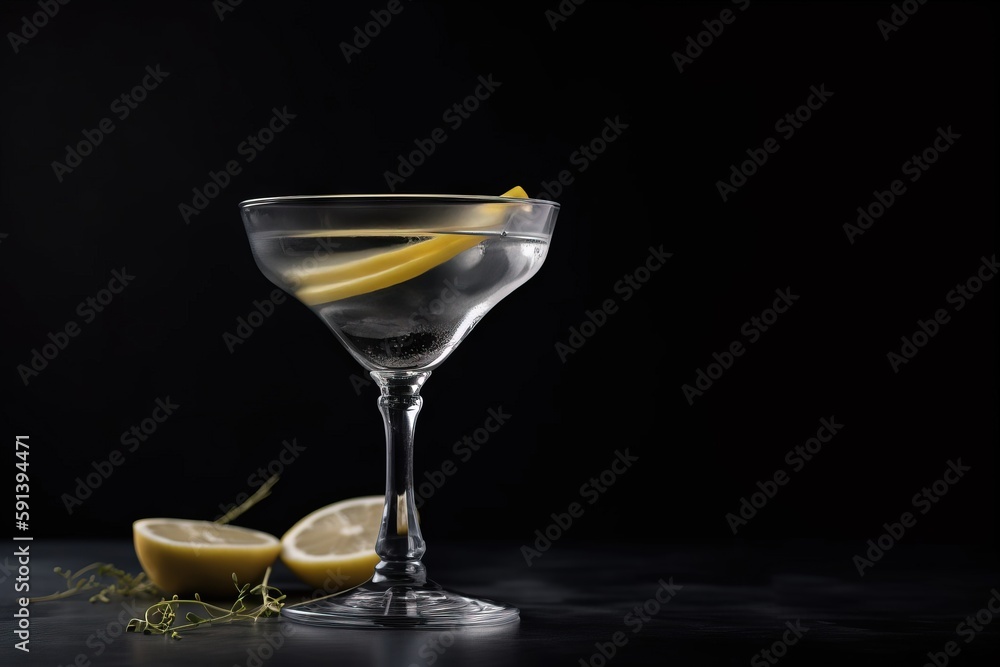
x: 333, y: 548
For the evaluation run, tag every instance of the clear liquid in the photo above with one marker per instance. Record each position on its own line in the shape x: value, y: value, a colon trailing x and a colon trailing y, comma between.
x: 412, y: 324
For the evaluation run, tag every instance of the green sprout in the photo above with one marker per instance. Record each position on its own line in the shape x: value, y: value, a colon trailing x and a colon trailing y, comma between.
x: 78, y: 582
x: 161, y: 617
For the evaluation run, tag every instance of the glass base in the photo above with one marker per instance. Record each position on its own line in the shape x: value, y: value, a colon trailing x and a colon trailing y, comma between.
x: 425, y: 606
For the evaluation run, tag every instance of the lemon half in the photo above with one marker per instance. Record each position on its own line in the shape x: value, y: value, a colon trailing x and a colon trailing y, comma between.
x: 333, y: 548
x: 184, y: 557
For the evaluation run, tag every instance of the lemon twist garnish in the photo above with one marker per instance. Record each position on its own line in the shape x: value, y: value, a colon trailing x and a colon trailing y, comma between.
x: 360, y: 276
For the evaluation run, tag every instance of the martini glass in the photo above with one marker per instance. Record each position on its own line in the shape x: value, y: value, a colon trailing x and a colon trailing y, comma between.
x: 401, y: 280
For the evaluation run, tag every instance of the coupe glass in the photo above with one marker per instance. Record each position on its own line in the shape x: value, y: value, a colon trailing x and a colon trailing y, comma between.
x: 401, y: 280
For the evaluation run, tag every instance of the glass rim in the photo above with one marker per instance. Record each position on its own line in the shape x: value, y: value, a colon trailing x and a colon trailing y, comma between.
x: 432, y: 198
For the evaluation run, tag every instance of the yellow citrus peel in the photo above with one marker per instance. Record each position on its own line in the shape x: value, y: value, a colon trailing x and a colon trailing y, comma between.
x: 384, y: 269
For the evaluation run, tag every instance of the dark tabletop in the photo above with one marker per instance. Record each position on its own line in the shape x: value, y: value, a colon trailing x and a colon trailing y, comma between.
x: 803, y: 602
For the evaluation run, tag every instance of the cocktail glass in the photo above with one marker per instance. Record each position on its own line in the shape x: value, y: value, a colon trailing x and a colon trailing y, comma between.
x: 401, y: 280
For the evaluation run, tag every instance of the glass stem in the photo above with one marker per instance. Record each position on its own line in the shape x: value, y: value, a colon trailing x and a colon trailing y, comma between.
x: 400, y: 544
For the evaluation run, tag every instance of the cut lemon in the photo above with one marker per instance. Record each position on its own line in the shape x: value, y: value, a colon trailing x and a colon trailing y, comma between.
x: 333, y: 548
x: 184, y: 557
x: 360, y: 276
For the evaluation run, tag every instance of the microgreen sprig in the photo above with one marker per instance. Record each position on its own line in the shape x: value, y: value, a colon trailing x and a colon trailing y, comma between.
x: 161, y: 618
x: 78, y: 582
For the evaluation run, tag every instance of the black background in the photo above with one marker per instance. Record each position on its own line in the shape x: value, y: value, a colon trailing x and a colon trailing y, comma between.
x: 655, y: 185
